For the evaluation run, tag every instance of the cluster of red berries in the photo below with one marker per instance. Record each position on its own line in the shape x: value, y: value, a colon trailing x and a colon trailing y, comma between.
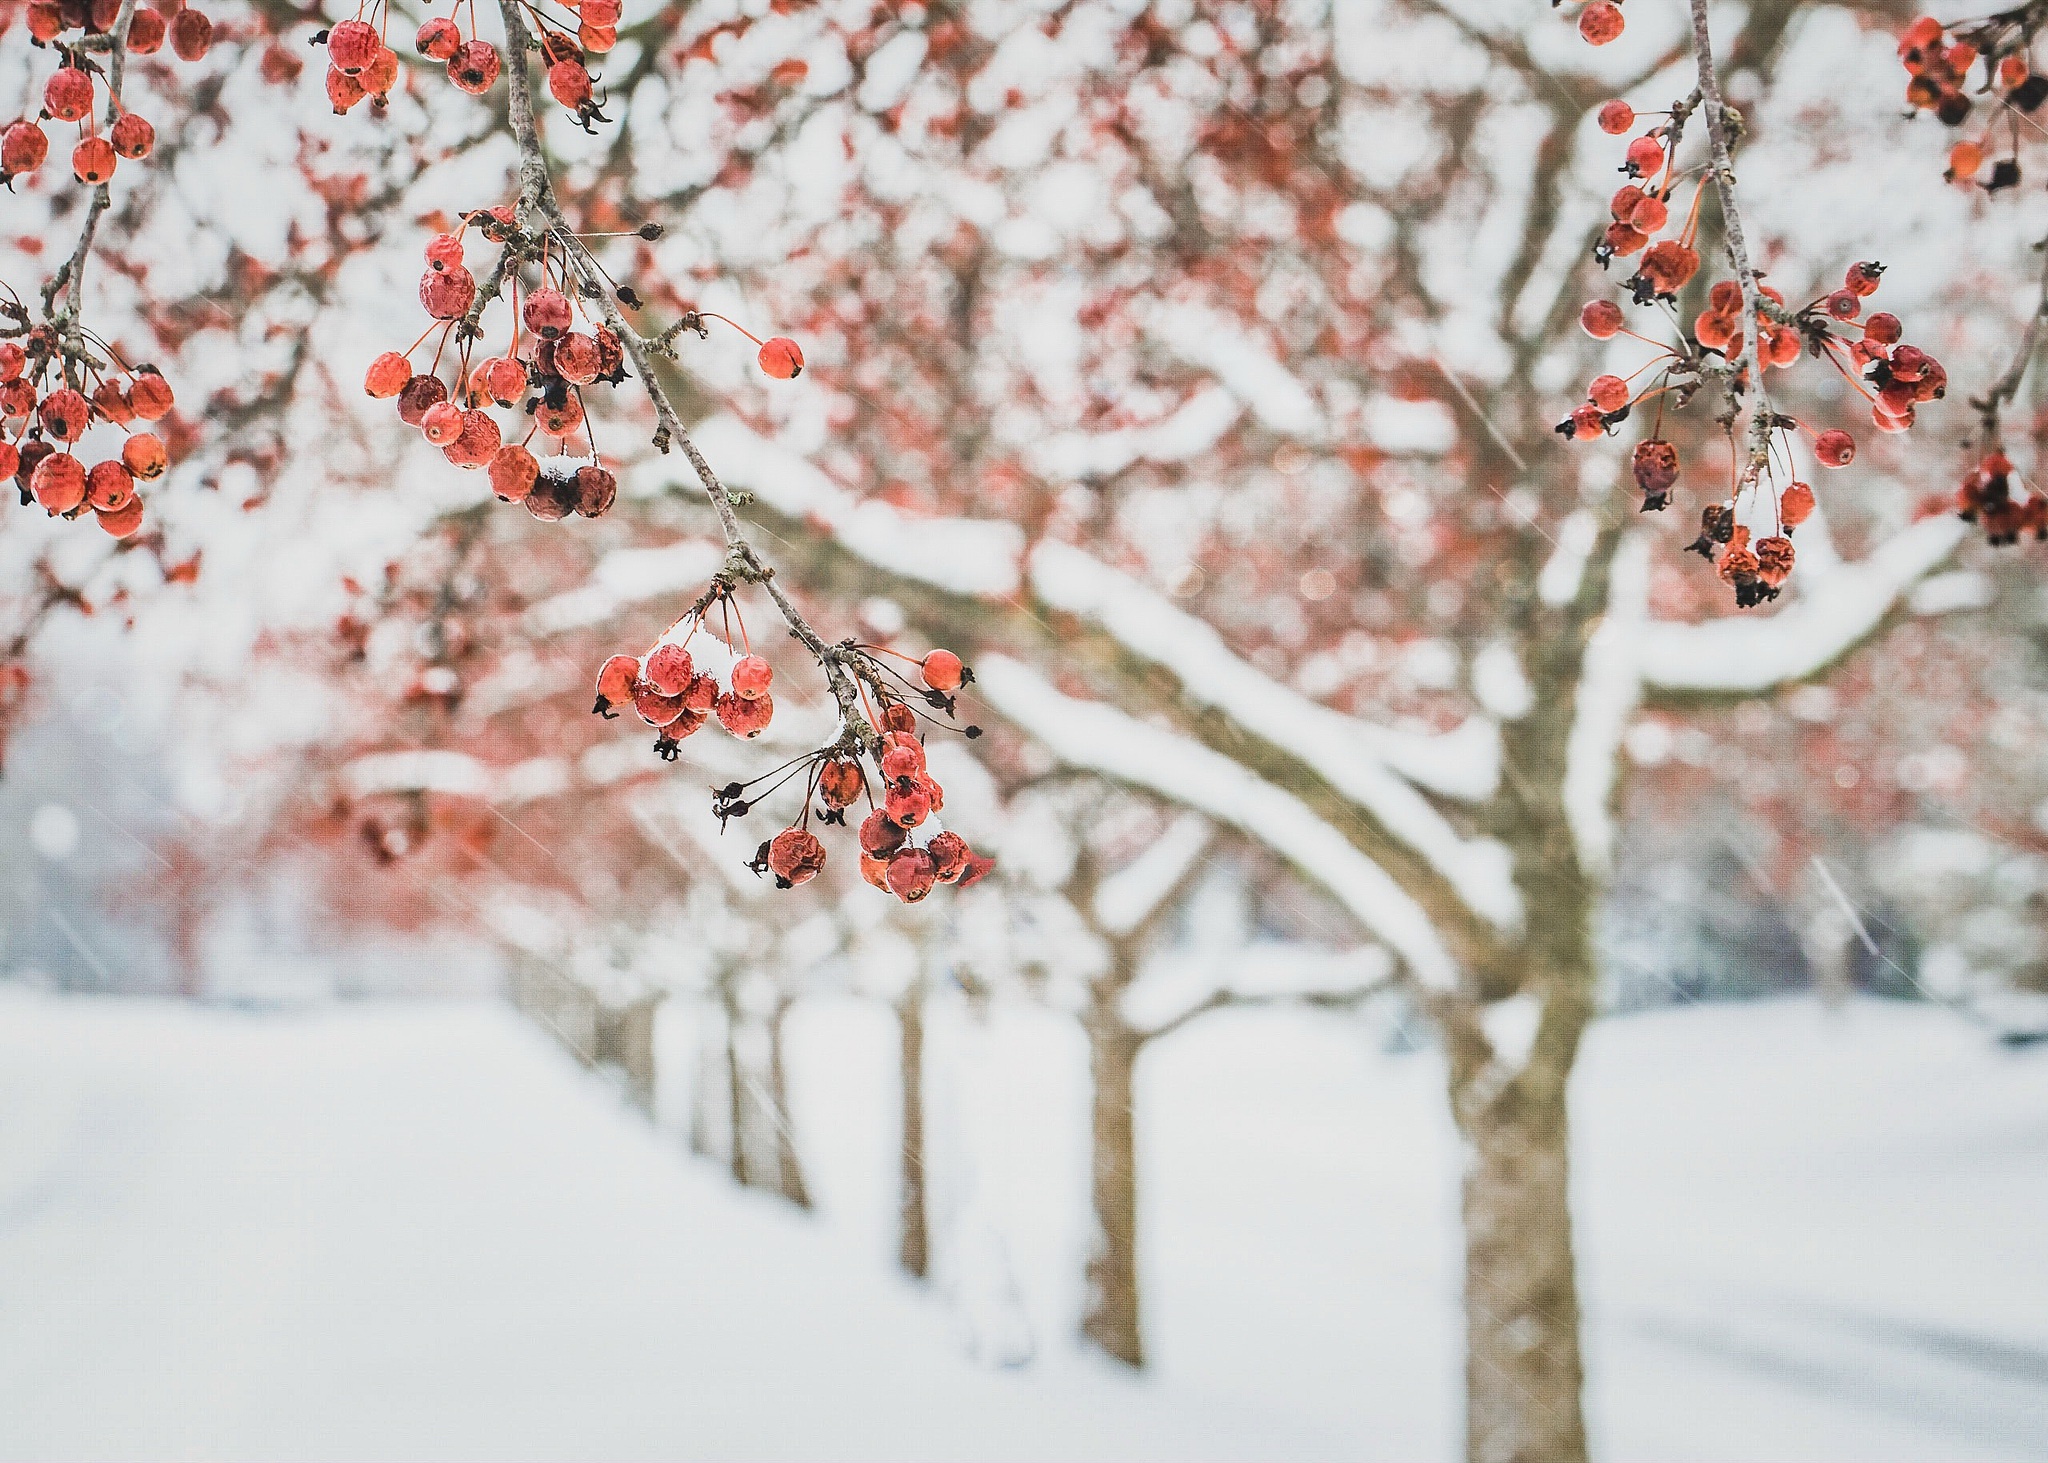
x: 903, y: 850
x: 1985, y: 496
x: 1600, y: 22
x: 1755, y: 571
x: 1938, y: 61
x: 70, y: 93
x: 361, y: 64
x: 50, y: 398
x: 542, y: 373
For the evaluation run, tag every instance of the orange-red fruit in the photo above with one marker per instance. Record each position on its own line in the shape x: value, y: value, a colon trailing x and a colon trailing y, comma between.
x: 878, y: 836
x: 1863, y: 277
x: 1834, y: 448
x: 67, y: 95
x: 58, y: 482
x: 1883, y: 328
x: 751, y: 676
x: 381, y: 74
x: 560, y: 418
x: 1601, y: 22
x: 478, y: 441
x: 65, y: 414
x: 420, y: 393
x: 670, y: 670
x: 701, y: 694
x: 1668, y: 266
x: 109, y: 486
x: 122, y: 522
x: 151, y: 396
x: 343, y: 90
x: 1795, y: 506
x: 908, y: 803
x: 132, y: 136
x: 146, y: 32
x: 597, y: 39
x: 22, y: 148
x: 656, y: 709
x: 353, y: 45
x: 1645, y: 155
x: 1716, y: 332
x: 782, y: 358
x: 474, y: 67
x: 513, y: 470
x: 145, y: 456
x: 446, y: 293
x: 911, y: 874
x: 501, y: 379
x: 577, y: 358
x: 1609, y: 393
x: 896, y: 717
x: 745, y: 717
x: 1845, y: 304
x: 13, y: 361
x: 191, y: 34
x: 1964, y: 160
x: 615, y: 680
x: 439, y: 39
x: 1616, y: 117
x: 795, y: 856
x: 569, y: 83
x: 1601, y: 319
x: 442, y: 423
x: 387, y: 375
x: 1649, y: 215
x: 596, y: 491
x: 547, y: 313
x: 840, y: 782
x: 10, y: 460
x: 943, y: 670
x: 93, y: 160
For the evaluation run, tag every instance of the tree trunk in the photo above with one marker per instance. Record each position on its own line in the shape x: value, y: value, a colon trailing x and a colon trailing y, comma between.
x: 735, y: 1085
x: 789, y: 1170
x: 1523, y: 1372
x: 1111, y: 1319
x: 913, y: 1219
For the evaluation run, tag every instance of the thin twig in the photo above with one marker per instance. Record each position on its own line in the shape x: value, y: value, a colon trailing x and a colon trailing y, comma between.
x: 2007, y: 386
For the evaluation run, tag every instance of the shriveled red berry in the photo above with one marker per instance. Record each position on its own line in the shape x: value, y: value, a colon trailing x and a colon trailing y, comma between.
x: 560, y: 418
x: 65, y: 414
x: 191, y: 34
x: 444, y: 251
x: 447, y: 293
x: 513, y: 471
x: 596, y: 491
x: 67, y: 95
x: 1654, y: 465
x: 344, y: 91
x: 912, y: 872
x: 745, y: 717
x: 547, y: 313
x: 950, y: 854
x: 670, y: 670
x: 597, y: 39
x: 1834, y: 448
x: 387, y: 375
x: 499, y: 379
x: 1668, y: 266
x: 474, y: 67
x: 1863, y: 278
x: 1883, y: 328
x: 1616, y: 117
x: 58, y: 482
x: 132, y: 136
x: 840, y: 782
x: 10, y: 460
x: 417, y: 396
x: 439, y: 39
x: 1583, y: 425
x: 478, y: 441
x: 22, y: 148
x: 1600, y: 23
x: 1601, y: 319
x: 751, y: 677
x: 1845, y: 304
x: 701, y: 694
x: 794, y: 856
x: 352, y: 45
x: 577, y: 358
x: 879, y: 837
x: 146, y: 31
x: 908, y: 803
x: 782, y: 358
x: 109, y: 486
x: 13, y: 361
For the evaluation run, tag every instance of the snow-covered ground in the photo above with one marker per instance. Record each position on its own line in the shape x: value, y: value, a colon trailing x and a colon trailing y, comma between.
x: 417, y: 1231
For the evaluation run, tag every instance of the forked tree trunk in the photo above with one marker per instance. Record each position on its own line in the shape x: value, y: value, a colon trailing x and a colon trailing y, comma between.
x: 913, y: 1221
x: 1111, y: 1319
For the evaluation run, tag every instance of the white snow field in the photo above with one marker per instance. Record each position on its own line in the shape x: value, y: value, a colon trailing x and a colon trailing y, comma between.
x: 415, y: 1231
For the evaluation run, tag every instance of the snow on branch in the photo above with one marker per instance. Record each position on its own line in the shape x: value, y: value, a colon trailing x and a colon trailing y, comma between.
x: 1127, y: 898
x: 1138, y: 754
x: 1736, y: 658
